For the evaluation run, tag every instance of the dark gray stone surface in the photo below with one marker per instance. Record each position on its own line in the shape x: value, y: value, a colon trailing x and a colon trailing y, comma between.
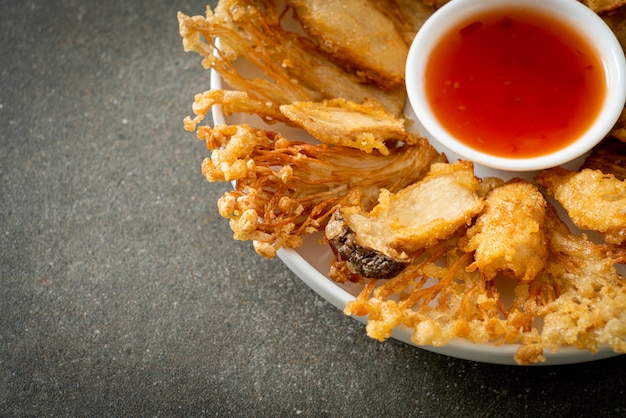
x: 121, y: 290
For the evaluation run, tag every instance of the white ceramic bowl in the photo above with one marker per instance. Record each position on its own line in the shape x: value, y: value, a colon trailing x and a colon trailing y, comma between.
x: 571, y: 13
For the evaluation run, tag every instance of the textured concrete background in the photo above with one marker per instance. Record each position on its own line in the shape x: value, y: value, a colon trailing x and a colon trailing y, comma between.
x: 121, y: 290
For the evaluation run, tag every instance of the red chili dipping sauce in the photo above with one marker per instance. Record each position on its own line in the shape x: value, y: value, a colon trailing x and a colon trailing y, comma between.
x: 515, y: 83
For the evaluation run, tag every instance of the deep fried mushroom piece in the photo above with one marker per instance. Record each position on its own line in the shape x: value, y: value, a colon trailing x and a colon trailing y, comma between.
x: 366, y: 262
x: 417, y: 216
x: 289, y: 66
x: 364, y: 126
x: 509, y: 236
x: 286, y: 189
x: 593, y: 200
x: 357, y: 35
x: 231, y: 101
x: 590, y: 309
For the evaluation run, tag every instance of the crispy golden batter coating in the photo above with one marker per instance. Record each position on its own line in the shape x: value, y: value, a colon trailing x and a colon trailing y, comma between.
x: 231, y: 102
x: 364, y: 126
x: 340, y: 122
x: 357, y: 259
x: 578, y: 299
x: 446, y: 243
x: 593, y: 200
x: 357, y: 35
x: 419, y: 215
x: 286, y: 189
x: 509, y: 236
x: 289, y: 66
x: 377, y: 244
x: 591, y: 305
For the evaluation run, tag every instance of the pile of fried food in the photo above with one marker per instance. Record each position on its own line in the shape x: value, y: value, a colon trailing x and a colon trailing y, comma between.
x: 431, y: 244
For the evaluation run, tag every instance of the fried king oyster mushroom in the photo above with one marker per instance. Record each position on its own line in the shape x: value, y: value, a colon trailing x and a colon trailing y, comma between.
x: 593, y: 200
x: 379, y: 244
x: 509, y: 236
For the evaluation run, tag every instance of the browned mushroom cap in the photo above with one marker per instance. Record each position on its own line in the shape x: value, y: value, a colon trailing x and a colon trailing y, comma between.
x: 367, y: 262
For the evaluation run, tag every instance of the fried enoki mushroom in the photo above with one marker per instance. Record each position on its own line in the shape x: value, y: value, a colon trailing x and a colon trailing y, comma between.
x: 591, y: 305
x: 231, y: 101
x: 365, y: 126
x: 286, y: 189
x: 443, y: 278
x: 290, y: 67
x: 578, y: 299
x: 439, y: 302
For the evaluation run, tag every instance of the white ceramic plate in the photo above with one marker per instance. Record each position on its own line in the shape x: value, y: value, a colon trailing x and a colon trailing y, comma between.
x: 311, y: 261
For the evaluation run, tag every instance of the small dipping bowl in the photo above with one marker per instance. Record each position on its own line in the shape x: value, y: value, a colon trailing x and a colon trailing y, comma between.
x: 456, y: 14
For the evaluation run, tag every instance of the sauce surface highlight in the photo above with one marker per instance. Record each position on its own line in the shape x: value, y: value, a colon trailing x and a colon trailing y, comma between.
x: 515, y: 83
